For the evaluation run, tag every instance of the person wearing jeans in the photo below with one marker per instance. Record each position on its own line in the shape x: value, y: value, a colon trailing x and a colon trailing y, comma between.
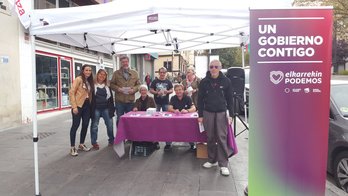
x: 102, y: 106
x: 80, y: 96
x: 125, y: 82
x: 161, y: 88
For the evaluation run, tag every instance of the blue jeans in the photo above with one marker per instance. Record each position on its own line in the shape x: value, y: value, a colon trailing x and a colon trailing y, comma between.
x: 122, y: 108
x: 108, y: 123
x: 164, y: 108
x: 84, y: 114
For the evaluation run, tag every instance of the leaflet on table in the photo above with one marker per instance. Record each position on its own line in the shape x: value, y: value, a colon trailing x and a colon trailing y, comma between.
x: 167, y: 115
x: 195, y: 114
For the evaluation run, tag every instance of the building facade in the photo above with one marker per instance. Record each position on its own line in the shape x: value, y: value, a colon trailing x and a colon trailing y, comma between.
x: 174, y: 63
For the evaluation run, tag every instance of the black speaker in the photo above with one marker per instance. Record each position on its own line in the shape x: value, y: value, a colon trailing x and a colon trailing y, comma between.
x: 237, y: 77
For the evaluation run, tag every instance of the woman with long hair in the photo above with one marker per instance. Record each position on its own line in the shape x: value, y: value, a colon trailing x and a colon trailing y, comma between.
x: 80, y: 96
x: 102, y: 106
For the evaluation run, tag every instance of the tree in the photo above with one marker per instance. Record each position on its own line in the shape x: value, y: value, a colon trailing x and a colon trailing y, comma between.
x: 231, y: 57
x: 340, y: 28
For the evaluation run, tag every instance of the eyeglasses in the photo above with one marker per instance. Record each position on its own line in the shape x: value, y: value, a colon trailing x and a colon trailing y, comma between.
x: 214, y: 66
x: 162, y: 72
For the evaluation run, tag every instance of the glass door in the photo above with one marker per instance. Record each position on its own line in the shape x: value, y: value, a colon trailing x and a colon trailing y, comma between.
x: 46, y: 82
x: 65, y: 75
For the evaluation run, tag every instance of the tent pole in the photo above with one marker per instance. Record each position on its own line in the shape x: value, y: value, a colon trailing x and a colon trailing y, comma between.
x: 244, y: 94
x: 34, y: 118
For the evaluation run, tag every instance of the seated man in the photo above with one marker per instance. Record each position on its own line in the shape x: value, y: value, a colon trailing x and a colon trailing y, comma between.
x: 180, y: 103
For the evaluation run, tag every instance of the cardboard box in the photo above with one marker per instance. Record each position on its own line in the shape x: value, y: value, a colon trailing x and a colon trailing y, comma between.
x: 202, y: 151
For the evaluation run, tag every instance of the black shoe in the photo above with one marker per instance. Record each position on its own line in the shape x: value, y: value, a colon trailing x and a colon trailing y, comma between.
x: 156, y: 145
x: 193, y: 147
x: 246, y: 191
x: 167, y: 147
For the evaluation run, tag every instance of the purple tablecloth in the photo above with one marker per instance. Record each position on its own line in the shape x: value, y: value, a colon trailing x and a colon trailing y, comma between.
x: 137, y: 126
x: 164, y: 127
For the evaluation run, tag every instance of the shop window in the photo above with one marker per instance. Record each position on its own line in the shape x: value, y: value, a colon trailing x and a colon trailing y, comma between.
x: 110, y: 72
x: 64, y: 3
x: 168, y: 65
x: 78, y: 68
x: 46, y: 80
x: 45, y: 4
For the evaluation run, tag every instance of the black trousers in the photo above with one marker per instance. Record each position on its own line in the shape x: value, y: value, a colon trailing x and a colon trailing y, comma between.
x: 84, y: 114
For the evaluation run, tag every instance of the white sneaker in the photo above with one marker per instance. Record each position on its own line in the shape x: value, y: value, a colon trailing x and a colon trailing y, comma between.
x: 225, y: 171
x: 209, y: 165
x: 73, y: 152
x: 84, y: 148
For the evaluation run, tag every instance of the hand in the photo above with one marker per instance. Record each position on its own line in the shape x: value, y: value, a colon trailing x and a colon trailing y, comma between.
x: 165, y: 92
x: 186, y: 92
x: 184, y: 111
x: 75, y: 111
x: 229, y: 120
x: 200, y: 119
x: 160, y: 93
x: 176, y: 111
x: 119, y: 90
x: 135, y: 109
x: 131, y: 91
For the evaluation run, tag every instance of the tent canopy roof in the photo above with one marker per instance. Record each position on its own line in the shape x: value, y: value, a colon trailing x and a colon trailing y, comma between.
x: 122, y: 26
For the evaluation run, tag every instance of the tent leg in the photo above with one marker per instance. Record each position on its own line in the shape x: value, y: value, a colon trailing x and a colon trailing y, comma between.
x: 34, y: 118
x: 244, y: 94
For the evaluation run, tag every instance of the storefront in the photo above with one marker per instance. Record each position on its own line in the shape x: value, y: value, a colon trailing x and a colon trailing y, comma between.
x: 53, y: 79
x: 54, y: 75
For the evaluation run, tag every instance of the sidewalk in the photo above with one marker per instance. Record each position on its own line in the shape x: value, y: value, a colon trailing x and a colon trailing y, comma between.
x: 101, y: 172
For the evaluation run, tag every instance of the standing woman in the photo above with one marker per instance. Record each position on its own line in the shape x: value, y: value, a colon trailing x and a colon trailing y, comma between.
x: 191, y: 84
x: 80, y: 96
x: 102, y: 106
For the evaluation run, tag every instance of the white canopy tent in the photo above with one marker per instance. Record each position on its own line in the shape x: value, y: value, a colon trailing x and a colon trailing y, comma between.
x: 140, y: 26
x: 122, y: 26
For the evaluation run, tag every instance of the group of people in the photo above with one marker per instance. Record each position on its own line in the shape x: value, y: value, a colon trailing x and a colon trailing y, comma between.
x: 211, y: 96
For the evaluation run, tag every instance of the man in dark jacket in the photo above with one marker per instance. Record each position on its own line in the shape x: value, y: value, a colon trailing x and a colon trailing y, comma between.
x: 214, y: 99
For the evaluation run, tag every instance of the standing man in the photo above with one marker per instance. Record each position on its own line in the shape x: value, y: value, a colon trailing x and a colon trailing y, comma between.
x: 162, y: 88
x: 214, y: 98
x: 125, y: 82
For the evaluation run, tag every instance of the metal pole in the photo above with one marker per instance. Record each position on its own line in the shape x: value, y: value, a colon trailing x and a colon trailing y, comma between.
x: 244, y: 94
x: 34, y: 118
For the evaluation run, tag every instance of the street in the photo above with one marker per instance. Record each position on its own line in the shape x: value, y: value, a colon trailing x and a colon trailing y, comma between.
x: 102, y: 173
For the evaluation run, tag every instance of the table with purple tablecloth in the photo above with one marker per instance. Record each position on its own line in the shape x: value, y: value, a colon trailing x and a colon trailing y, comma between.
x: 162, y: 127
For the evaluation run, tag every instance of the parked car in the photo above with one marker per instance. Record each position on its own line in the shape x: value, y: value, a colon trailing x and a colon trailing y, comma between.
x: 337, y: 163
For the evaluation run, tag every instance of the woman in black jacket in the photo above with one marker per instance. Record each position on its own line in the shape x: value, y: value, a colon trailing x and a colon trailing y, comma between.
x: 102, y: 106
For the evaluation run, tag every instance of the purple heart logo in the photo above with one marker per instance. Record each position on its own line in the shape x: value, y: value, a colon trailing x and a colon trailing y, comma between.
x: 276, y: 76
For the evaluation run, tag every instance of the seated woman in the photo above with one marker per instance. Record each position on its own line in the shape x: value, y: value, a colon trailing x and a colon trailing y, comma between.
x: 143, y: 103
x: 180, y: 103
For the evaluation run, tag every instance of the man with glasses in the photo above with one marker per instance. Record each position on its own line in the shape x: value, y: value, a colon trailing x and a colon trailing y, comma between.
x: 162, y: 88
x: 214, y: 99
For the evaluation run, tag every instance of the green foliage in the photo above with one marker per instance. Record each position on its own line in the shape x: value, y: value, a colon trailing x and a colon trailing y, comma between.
x: 231, y: 57
x: 343, y: 72
x: 340, y: 27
